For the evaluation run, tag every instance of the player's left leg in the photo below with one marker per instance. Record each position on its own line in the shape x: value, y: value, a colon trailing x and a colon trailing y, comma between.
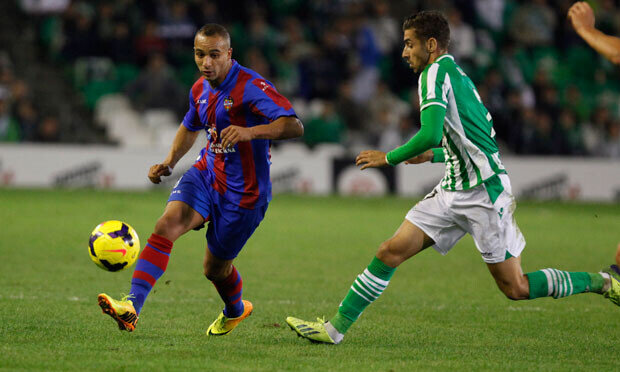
x: 228, y: 283
x: 550, y: 282
x: 500, y: 242
x: 230, y: 228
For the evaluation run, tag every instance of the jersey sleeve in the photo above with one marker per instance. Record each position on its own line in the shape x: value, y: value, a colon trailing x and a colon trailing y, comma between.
x: 429, y: 135
x: 191, y: 121
x: 438, y: 155
x: 433, y: 87
x: 264, y: 100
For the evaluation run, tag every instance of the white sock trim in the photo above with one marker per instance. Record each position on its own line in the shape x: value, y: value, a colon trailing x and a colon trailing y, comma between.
x: 333, y: 333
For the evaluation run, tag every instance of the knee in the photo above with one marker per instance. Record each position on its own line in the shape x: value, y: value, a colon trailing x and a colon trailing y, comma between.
x: 388, y: 253
x: 516, y: 291
x: 215, y: 274
x: 211, y: 275
x: 170, y: 226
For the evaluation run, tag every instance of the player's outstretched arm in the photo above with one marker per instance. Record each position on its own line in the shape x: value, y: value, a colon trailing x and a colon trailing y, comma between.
x: 284, y: 127
x: 183, y: 141
x: 581, y: 17
x: 417, y: 150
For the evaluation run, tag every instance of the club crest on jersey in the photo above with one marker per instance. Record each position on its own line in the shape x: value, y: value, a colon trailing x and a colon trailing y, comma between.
x: 212, y: 134
x: 228, y: 102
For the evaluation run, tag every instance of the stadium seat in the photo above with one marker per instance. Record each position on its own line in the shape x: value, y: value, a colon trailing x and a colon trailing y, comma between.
x: 162, y: 125
x: 122, y: 123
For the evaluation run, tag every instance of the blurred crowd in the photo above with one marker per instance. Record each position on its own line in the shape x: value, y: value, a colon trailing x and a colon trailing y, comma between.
x: 20, y: 120
x: 340, y: 63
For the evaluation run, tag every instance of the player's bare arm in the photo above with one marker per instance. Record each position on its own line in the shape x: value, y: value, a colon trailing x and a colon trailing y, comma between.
x: 422, y: 158
x: 284, y: 127
x: 183, y: 141
x: 581, y: 17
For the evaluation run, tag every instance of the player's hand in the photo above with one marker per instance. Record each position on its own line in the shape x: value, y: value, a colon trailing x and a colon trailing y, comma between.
x: 371, y: 159
x: 159, y: 170
x: 233, y: 134
x: 422, y: 158
x: 581, y: 16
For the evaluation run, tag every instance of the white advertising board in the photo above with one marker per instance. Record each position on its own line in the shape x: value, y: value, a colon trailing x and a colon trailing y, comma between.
x: 296, y: 169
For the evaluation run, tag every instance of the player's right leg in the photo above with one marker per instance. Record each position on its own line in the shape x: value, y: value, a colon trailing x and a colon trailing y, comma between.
x: 408, y: 240
x: 122, y: 311
x: 186, y: 209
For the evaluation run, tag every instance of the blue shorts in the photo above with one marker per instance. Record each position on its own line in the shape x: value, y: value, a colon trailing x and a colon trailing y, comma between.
x: 230, y: 226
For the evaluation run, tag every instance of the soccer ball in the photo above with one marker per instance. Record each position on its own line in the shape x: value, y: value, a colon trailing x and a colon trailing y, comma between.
x: 114, y: 245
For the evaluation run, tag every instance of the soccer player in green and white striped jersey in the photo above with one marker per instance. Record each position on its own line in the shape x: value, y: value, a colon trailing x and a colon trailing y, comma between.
x: 474, y: 196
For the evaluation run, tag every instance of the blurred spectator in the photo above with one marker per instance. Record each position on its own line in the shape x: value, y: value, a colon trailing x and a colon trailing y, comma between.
x: 9, y: 128
x: 542, y: 140
x: 120, y: 44
x: 462, y: 38
x: 325, y: 68
x: 80, y: 34
x: 104, y: 21
x: 208, y: 14
x: 286, y: 73
x: 326, y: 127
x: 255, y: 59
x: 395, y: 130
x: 27, y: 117
x: 44, y: 6
x: 49, y: 130
x: 495, y: 91
x: 533, y: 23
x: 574, y: 99
x: 571, y: 137
x: 385, y: 28
x: 175, y: 21
x: 263, y: 36
x: 366, y: 76
x: 156, y: 88
x: 385, y: 101
x: 611, y: 144
x: 295, y: 39
x: 596, y: 130
x: 177, y: 28
x: 549, y: 101
x: 149, y: 42
x: 354, y: 115
x: 491, y: 13
x: 509, y: 122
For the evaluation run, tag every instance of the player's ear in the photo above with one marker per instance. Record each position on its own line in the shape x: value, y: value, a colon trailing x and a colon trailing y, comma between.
x: 431, y: 45
x: 230, y: 53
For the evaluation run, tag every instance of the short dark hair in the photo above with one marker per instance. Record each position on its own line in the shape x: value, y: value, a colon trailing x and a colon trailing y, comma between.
x: 427, y: 24
x: 211, y: 29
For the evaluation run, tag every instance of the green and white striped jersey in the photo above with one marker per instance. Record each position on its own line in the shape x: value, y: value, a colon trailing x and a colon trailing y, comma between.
x: 470, y: 151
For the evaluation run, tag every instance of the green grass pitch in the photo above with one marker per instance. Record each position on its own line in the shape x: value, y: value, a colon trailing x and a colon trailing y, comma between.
x: 438, y: 312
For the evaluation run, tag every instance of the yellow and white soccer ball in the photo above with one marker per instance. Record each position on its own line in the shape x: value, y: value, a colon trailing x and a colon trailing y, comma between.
x: 114, y: 245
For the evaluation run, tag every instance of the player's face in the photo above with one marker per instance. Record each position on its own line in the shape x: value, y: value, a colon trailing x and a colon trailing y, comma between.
x: 415, y: 51
x: 213, y: 57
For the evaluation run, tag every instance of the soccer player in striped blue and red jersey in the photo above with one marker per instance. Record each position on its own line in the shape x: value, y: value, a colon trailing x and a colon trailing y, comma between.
x: 228, y: 186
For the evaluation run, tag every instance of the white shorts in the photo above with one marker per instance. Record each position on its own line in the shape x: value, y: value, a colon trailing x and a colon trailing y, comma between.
x: 446, y: 216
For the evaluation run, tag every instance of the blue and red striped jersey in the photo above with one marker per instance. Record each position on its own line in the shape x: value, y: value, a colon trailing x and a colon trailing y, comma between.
x: 240, y: 174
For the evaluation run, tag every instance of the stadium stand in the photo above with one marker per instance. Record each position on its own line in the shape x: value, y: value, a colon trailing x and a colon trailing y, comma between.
x: 339, y: 61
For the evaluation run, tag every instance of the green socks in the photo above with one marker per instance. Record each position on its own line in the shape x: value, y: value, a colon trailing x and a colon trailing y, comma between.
x: 365, y: 289
x: 557, y: 283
